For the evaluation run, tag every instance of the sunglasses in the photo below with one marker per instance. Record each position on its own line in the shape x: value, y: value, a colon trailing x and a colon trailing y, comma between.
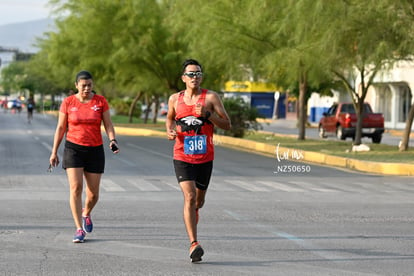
x: 193, y: 74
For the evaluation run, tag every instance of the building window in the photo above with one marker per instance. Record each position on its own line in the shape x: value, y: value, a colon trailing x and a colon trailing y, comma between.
x: 404, y: 103
x: 384, y: 101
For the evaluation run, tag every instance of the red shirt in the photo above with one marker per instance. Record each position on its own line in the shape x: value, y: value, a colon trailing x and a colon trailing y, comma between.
x: 194, y: 141
x: 84, y: 120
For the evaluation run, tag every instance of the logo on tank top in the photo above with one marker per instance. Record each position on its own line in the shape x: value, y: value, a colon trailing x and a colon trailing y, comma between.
x: 95, y: 108
x: 190, y: 123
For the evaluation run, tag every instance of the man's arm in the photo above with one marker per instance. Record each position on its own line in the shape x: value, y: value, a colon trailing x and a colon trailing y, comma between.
x: 170, y: 121
x: 219, y: 116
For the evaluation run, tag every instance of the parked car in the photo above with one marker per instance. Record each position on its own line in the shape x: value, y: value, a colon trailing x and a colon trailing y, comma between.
x: 340, y: 120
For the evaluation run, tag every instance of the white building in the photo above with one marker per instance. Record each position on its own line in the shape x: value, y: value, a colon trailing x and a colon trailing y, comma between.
x: 391, y: 94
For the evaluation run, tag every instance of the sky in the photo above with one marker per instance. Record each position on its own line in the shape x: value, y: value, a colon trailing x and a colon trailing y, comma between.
x: 17, y: 11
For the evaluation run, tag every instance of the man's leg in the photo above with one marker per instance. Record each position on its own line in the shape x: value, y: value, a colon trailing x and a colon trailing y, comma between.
x: 189, y: 210
x: 189, y: 191
x: 202, y: 183
x: 200, y: 198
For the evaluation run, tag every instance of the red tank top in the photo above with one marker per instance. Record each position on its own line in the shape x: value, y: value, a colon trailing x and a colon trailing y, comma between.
x: 194, y: 141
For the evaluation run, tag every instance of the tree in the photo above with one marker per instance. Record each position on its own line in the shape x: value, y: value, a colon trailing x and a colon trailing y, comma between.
x: 46, y: 79
x: 272, y: 40
x: 13, y: 77
x: 83, y: 40
x: 371, y: 40
x: 126, y: 44
x: 137, y: 46
x: 149, y: 54
x: 406, y: 135
x: 405, y: 10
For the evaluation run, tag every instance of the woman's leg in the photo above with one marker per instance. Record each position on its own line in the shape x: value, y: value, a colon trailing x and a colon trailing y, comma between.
x: 92, y: 191
x: 75, y: 178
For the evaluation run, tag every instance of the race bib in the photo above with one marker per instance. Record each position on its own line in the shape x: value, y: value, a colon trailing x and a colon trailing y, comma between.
x: 195, y: 144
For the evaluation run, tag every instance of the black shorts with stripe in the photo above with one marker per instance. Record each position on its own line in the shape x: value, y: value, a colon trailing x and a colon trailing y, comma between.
x: 200, y: 173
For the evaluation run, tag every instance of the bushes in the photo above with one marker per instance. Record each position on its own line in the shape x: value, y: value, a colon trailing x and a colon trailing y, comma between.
x: 242, y: 117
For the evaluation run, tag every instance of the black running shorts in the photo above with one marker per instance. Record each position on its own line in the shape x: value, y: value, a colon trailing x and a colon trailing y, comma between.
x: 200, y: 173
x: 92, y: 159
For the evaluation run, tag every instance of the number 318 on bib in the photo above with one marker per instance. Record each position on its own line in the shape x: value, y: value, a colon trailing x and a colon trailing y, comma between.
x: 195, y: 144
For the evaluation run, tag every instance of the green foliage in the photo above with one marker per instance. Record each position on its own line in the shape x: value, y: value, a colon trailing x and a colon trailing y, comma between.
x: 134, y: 46
x: 324, y: 89
x: 125, y: 44
x: 122, y: 107
x: 48, y: 105
x: 242, y: 116
x: 11, y: 77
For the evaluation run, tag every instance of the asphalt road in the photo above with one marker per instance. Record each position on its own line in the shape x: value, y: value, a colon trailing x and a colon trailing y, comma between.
x: 262, y: 216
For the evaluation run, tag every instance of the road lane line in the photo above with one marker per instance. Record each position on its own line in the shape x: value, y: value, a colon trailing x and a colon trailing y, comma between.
x: 110, y: 186
x: 219, y: 185
x: 247, y: 186
x: 47, y: 146
x: 310, y: 186
x: 144, y: 185
x: 295, y: 239
x: 174, y: 185
x: 130, y: 164
x: 233, y: 215
x: 280, y: 186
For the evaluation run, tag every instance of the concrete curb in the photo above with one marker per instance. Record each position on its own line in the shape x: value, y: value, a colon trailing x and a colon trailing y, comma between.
x: 291, y: 154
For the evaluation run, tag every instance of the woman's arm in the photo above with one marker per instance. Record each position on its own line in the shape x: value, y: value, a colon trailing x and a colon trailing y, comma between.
x: 109, y: 129
x: 59, y: 133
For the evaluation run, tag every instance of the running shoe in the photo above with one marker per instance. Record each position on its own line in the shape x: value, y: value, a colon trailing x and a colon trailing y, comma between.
x: 197, y: 216
x: 196, y: 252
x: 87, y: 224
x: 79, y: 236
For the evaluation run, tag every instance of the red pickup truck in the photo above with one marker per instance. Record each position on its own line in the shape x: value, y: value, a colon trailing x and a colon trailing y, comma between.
x: 340, y: 120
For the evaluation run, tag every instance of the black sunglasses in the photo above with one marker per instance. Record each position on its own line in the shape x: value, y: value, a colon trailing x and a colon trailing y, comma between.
x: 191, y: 75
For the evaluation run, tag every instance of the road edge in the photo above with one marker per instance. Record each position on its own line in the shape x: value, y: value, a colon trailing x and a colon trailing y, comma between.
x: 382, y: 168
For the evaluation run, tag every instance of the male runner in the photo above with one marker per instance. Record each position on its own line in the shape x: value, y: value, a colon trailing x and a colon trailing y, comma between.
x: 192, y: 114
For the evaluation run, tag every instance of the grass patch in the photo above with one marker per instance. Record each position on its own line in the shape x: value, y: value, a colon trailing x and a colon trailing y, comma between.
x: 121, y: 119
x: 378, y: 152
